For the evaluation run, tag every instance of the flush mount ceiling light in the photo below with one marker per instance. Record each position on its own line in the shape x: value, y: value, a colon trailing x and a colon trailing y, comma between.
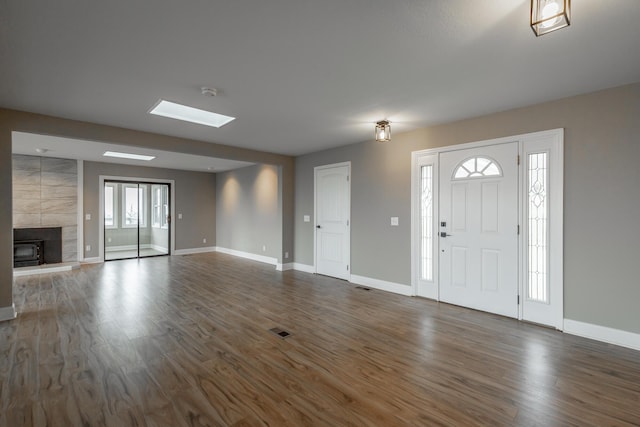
x: 128, y: 156
x: 189, y: 114
x: 383, y: 131
x: 549, y: 15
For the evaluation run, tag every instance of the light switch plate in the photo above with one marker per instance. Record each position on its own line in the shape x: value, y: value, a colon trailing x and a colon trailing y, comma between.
x: 179, y: 216
x: 394, y: 221
x: 87, y: 217
x: 307, y: 218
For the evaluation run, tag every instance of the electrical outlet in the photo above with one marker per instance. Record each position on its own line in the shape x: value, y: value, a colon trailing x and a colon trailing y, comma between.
x: 88, y: 248
x: 264, y: 248
x: 109, y: 239
x: 204, y: 240
x: 286, y: 255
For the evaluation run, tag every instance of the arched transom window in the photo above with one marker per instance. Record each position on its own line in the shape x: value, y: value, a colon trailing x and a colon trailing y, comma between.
x: 477, y: 167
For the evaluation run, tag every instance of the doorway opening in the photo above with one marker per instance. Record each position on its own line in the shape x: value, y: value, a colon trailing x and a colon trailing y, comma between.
x: 136, y: 218
x: 487, y: 220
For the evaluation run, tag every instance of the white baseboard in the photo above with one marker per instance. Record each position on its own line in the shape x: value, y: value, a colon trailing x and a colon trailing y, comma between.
x: 284, y: 267
x: 194, y: 250
x: 383, y: 285
x: 304, y: 267
x: 124, y: 248
x: 158, y: 248
x: 8, y: 313
x: 94, y: 260
x: 247, y: 255
x: 602, y: 333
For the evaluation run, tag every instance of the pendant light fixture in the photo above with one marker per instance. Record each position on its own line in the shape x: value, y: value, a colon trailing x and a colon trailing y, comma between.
x: 383, y: 131
x: 549, y: 15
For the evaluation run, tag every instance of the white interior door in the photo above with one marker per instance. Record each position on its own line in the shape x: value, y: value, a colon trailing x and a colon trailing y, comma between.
x: 332, y: 216
x: 478, y: 228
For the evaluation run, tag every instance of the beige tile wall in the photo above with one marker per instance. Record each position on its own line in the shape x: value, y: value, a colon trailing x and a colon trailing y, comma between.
x: 45, y: 194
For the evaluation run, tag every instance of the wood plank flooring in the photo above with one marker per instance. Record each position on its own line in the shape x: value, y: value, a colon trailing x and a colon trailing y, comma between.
x: 185, y: 341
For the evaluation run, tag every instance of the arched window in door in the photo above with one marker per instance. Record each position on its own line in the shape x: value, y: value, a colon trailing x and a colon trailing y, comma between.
x: 477, y: 167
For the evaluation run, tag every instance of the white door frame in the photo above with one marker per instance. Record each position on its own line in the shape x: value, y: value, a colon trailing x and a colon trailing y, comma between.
x: 172, y: 186
x: 551, y: 142
x: 315, y: 212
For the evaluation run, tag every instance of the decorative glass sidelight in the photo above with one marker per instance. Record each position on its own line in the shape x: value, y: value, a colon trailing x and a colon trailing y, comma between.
x: 477, y: 167
x: 426, y: 223
x: 538, y: 227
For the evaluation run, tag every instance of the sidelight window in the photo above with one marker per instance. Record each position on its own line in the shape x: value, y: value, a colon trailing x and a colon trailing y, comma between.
x: 426, y: 223
x: 538, y: 236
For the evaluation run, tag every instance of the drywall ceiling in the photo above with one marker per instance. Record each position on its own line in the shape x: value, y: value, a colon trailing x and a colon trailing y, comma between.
x: 67, y: 148
x: 304, y: 75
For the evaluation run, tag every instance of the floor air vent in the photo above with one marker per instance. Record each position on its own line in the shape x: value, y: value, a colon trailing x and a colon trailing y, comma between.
x: 279, y: 332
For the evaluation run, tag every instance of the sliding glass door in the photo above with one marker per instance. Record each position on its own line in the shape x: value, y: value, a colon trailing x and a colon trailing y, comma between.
x: 136, y: 219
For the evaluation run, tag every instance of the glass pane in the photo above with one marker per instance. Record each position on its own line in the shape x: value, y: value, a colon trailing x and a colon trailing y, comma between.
x: 492, y: 170
x: 482, y: 163
x: 538, y: 225
x: 477, y: 167
x: 131, y: 206
x: 108, y: 207
x: 158, y: 243
x: 156, y: 200
x: 461, y: 173
x: 426, y: 223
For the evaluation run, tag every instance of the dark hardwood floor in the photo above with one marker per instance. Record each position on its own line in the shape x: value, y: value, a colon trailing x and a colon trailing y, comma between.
x: 185, y: 341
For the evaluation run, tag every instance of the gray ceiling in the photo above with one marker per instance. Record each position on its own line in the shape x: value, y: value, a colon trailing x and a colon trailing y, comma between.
x: 304, y: 75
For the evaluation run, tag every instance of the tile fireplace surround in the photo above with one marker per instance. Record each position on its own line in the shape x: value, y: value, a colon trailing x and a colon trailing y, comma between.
x: 45, y: 194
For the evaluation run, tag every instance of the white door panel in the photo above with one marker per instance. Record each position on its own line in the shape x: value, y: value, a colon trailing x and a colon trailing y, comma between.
x: 332, y: 221
x: 479, y: 251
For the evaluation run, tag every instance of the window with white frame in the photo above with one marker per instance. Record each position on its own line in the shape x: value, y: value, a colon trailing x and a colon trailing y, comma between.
x: 160, y: 206
x: 110, y: 205
x: 134, y: 199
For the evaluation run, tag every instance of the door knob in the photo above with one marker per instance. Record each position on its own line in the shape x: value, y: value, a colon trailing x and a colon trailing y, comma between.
x: 317, y: 226
x: 444, y: 234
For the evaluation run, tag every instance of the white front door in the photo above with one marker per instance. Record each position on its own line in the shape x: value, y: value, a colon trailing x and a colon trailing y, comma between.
x: 333, y: 200
x: 478, y: 228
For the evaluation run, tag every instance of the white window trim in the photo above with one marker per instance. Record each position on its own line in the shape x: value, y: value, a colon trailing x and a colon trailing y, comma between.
x: 114, y: 186
x: 164, y: 201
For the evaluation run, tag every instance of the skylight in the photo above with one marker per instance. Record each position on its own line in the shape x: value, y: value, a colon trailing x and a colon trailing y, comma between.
x: 128, y: 156
x: 190, y: 114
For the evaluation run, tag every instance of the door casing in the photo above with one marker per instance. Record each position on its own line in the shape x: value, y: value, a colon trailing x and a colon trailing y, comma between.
x: 550, y: 141
x: 103, y: 178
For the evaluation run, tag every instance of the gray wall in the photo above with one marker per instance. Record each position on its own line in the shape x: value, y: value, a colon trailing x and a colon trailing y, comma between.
x: 248, y: 210
x: 194, y: 198
x: 602, y: 202
x: 45, y: 194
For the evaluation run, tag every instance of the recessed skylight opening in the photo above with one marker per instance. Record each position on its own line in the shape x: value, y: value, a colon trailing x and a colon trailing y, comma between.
x: 190, y: 114
x: 128, y: 156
